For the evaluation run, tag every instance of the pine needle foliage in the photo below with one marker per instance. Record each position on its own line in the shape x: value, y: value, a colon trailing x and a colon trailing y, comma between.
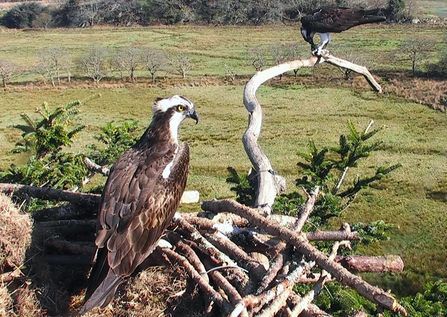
x: 50, y: 133
x: 44, y: 139
x: 328, y: 168
x: 116, y: 139
x: 245, y: 192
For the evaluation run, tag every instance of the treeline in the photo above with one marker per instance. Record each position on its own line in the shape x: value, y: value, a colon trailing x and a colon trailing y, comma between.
x: 77, y: 13
x: 56, y: 64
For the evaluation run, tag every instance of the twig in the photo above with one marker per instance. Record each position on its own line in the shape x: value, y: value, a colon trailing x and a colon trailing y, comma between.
x: 240, y: 256
x: 203, y: 243
x: 307, y: 209
x: 277, y: 264
x: 95, y: 167
x: 310, y: 296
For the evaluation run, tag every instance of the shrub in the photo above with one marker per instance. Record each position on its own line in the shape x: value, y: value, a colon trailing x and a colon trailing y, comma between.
x: 23, y: 15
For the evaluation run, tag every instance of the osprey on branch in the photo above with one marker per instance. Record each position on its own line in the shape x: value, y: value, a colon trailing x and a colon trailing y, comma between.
x: 139, y: 200
x: 334, y: 20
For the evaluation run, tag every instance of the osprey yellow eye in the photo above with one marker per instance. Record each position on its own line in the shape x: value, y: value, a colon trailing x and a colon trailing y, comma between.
x: 180, y: 108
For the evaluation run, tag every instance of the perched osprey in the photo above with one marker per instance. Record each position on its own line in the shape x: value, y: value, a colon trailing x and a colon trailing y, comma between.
x: 334, y: 20
x: 139, y: 200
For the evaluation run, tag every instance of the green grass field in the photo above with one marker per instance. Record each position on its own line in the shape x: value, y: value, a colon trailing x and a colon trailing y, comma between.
x: 414, y: 197
x: 210, y: 48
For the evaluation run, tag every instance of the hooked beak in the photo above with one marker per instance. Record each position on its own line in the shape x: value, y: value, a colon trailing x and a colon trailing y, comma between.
x: 193, y: 115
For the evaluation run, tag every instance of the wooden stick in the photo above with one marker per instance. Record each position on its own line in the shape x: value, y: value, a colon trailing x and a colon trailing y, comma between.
x: 307, y: 209
x: 87, y: 200
x: 201, y: 282
x: 300, y: 242
x: 357, y: 263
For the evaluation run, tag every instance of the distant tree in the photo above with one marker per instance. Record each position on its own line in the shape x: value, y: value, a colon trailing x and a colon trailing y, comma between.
x: 280, y: 54
x: 256, y: 58
x: 295, y: 52
x: 415, y: 50
x: 91, y: 12
x: 94, y: 65
x: 170, y: 11
x: 132, y: 56
x: 181, y: 64
x: 121, y: 12
x: 154, y: 60
x: 230, y: 73
x: 397, y: 11
x: 353, y: 57
x: 23, y: 15
x: 127, y: 59
x: 70, y: 15
x: 7, y: 70
x: 42, y: 21
x: 52, y: 62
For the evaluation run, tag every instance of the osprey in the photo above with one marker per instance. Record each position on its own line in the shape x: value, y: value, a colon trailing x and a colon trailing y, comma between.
x: 334, y: 20
x: 139, y: 200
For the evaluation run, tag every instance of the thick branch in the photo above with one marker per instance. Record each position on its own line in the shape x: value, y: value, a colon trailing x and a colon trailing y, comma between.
x: 300, y: 242
x: 357, y: 263
x: 354, y: 67
x: 204, y: 286
x: 87, y: 200
x: 270, y: 184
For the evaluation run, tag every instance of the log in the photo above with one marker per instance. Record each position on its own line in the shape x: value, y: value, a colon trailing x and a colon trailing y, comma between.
x: 81, y: 199
x: 300, y: 242
x: 357, y: 263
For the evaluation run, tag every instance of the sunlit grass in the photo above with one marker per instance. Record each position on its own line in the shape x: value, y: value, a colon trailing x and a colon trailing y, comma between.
x: 210, y: 48
x: 413, y: 197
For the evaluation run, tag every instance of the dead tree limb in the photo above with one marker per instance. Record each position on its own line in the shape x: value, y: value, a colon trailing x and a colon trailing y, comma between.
x: 268, y: 183
x: 300, y: 242
x: 213, y: 295
x: 87, y: 200
x: 357, y: 263
x: 306, y: 209
x: 95, y: 167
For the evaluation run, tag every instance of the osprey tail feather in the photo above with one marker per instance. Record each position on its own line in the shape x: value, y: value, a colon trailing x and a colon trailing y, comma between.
x: 103, y: 294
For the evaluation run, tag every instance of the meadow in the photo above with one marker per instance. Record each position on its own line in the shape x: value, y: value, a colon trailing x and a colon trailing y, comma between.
x: 413, y: 197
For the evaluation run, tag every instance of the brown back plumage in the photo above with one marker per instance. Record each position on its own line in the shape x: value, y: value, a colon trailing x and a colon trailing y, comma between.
x: 339, y: 19
x: 137, y: 204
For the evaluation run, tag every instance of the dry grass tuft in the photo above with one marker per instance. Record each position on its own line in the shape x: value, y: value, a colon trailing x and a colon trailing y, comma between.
x: 18, y: 297
x: 15, y: 234
x: 430, y: 92
x: 157, y: 291
x: 25, y: 302
x: 6, y: 301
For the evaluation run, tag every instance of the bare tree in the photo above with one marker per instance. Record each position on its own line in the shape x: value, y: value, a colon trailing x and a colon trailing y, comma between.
x: 295, y: 52
x: 415, y: 50
x: 280, y: 53
x: 353, y: 57
x: 119, y: 63
x: 256, y: 57
x: 128, y: 58
x: 7, y: 70
x: 181, y: 64
x: 230, y: 73
x: 52, y: 62
x: 94, y: 64
x: 154, y: 61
